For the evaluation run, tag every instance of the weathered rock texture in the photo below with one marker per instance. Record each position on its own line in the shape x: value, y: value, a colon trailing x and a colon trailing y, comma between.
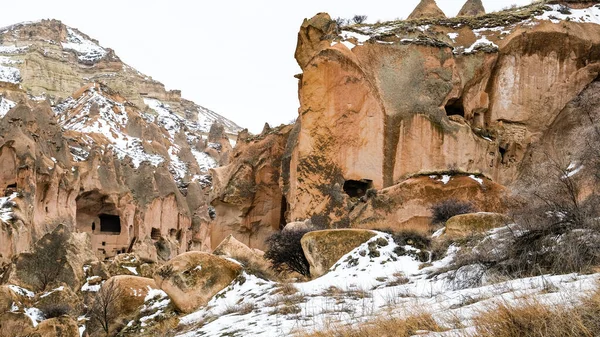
x: 466, y: 224
x: 246, y: 195
x: 324, y: 248
x: 193, y: 278
x: 427, y: 9
x: 381, y: 108
x: 472, y: 8
x: 89, y: 142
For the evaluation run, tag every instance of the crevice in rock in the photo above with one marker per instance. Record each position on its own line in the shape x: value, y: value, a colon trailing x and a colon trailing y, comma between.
x: 357, y: 188
x: 455, y: 107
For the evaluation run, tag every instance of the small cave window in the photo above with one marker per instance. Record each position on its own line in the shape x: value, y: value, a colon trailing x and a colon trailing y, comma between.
x: 155, y: 233
x: 110, y: 223
x: 455, y: 107
x: 93, y: 226
x: 502, y: 152
x: 357, y: 188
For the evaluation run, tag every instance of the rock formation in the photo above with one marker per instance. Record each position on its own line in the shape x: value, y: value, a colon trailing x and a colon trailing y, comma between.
x: 193, y: 278
x: 246, y: 195
x: 89, y: 142
x: 464, y: 225
x: 472, y: 99
x: 472, y: 8
x: 324, y: 248
x: 427, y: 9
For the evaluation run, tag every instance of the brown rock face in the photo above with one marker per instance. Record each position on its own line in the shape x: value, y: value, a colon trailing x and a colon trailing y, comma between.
x: 63, y: 326
x: 246, y: 195
x: 427, y: 9
x: 472, y: 8
x: 465, y: 224
x: 15, y: 324
x: 57, y: 258
x: 324, y: 248
x: 406, y: 206
x: 193, y: 278
x: 374, y: 114
x: 89, y: 142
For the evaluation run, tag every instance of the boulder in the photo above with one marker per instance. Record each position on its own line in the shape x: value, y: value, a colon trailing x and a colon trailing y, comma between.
x: 57, y: 258
x: 324, y: 248
x: 7, y: 298
x: 427, y: 9
x: 15, y: 324
x: 472, y: 8
x: 63, y: 326
x: 299, y: 226
x: 132, y: 291
x: 252, y: 259
x: 466, y: 224
x: 59, y: 301
x: 193, y: 278
x: 131, y: 264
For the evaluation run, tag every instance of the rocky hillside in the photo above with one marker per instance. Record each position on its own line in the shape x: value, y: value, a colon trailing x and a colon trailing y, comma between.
x: 441, y: 179
x: 92, y: 143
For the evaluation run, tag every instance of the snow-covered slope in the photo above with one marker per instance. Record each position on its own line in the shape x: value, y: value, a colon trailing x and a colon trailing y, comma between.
x: 361, y: 288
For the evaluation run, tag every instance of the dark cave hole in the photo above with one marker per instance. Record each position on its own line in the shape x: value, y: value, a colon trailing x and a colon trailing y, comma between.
x: 155, y: 234
x: 357, y: 188
x: 110, y: 223
x: 502, y: 152
x: 455, y: 107
x: 283, y: 210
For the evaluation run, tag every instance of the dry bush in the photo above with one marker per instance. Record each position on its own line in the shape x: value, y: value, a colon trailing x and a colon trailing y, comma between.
x: 285, y: 251
x: 444, y: 210
x: 384, y: 327
x: 536, y: 319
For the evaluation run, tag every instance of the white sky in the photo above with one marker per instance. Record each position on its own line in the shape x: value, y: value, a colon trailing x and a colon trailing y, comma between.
x: 235, y: 57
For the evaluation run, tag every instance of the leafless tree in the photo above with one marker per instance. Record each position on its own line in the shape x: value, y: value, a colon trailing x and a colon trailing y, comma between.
x: 103, y: 311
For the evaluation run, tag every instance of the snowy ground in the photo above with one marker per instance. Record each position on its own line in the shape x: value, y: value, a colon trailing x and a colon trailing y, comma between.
x: 359, y: 288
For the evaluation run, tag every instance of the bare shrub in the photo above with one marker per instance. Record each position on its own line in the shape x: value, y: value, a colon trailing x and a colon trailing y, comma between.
x: 55, y: 310
x: 536, y: 319
x: 358, y: 19
x: 448, y: 208
x: 340, y: 22
x: 285, y: 252
x: 400, y: 327
x: 103, y: 312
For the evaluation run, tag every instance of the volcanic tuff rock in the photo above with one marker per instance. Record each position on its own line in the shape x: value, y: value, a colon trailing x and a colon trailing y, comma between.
x: 426, y: 9
x: 472, y: 8
x: 90, y: 142
x: 459, y: 97
x: 246, y: 195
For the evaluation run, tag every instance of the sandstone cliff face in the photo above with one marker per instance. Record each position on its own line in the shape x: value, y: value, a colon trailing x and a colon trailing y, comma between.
x: 385, y: 102
x: 246, y: 195
x: 87, y: 141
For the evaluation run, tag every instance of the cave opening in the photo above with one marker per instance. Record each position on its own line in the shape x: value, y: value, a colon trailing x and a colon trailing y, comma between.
x: 454, y: 107
x: 155, y: 233
x: 110, y: 223
x: 357, y: 188
x: 282, y: 212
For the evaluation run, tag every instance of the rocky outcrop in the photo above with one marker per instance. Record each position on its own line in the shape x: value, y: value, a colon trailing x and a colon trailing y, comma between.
x: 89, y: 142
x: 407, y: 205
x: 7, y: 298
x: 15, y: 324
x: 472, y: 8
x: 466, y: 224
x: 324, y: 248
x: 57, y: 258
x: 247, y: 198
x: 132, y: 291
x: 193, y: 278
x: 426, y: 9
x: 63, y: 326
x: 477, y: 95
x: 62, y: 298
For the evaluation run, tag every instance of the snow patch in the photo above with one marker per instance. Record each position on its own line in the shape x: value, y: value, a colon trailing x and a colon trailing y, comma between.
x: 87, y: 51
x: 5, y: 106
